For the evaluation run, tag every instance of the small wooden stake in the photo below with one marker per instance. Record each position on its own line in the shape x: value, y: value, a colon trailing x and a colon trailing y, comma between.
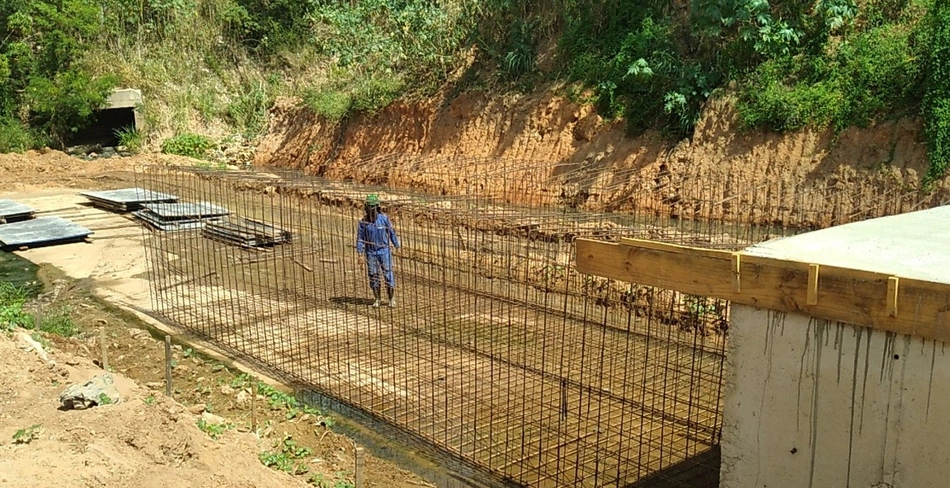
x: 168, y: 365
x: 253, y: 406
x: 892, y: 284
x: 813, y: 284
x: 104, y: 346
x: 736, y: 272
x: 359, y: 467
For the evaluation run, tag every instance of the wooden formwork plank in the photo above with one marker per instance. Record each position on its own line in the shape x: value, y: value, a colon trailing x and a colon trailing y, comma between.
x: 841, y: 294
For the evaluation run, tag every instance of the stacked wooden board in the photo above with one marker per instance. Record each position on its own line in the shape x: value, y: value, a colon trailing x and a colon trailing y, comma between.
x: 127, y: 199
x: 43, y: 231
x: 245, y: 232
x: 11, y: 211
x: 179, y: 216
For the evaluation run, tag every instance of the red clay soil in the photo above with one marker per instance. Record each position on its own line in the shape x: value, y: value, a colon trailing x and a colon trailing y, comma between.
x: 551, y: 130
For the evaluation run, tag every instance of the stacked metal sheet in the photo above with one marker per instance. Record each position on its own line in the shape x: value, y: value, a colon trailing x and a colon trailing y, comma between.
x: 11, y: 211
x: 245, y: 233
x: 178, y: 216
x: 127, y: 199
x: 43, y: 231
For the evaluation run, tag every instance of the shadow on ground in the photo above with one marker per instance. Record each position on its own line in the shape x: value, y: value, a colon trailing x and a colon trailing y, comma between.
x: 699, y: 471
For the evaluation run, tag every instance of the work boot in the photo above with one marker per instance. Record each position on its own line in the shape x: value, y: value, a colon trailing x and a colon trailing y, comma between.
x: 376, y: 294
x: 392, y: 299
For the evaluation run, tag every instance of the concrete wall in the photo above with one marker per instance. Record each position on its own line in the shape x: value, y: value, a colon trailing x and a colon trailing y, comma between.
x: 812, y: 403
x: 127, y: 98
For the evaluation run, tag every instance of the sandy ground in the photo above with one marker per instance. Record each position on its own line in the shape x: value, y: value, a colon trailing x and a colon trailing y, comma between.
x: 144, y: 440
x: 134, y: 443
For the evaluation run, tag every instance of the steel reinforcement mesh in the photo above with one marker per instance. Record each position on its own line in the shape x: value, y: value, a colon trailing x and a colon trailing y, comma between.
x: 499, y: 353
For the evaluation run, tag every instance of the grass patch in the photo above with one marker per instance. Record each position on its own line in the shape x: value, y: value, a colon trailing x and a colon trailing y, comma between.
x: 331, y: 104
x: 131, y: 138
x: 191, y: 145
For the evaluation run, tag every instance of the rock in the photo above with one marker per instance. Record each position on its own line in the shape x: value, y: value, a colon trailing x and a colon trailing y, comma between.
x: 212, y: 418
x: 154, y: 385
x: 201, y: 379
x: 227, y: 390
x: 137, y: 333
x: 197, y: 409
x: 242, y: 398
x: 94, y: 392
x: 181, y: 369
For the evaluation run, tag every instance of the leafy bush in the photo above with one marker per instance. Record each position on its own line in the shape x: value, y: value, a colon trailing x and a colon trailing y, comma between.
x: 331, y: 104
x: 872, y: 74
x: 936, y: 104
x: 14, y: 137
x: 190, y: 145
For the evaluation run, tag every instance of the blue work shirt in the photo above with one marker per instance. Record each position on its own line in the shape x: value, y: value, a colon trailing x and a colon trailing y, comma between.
x: 374, y: 237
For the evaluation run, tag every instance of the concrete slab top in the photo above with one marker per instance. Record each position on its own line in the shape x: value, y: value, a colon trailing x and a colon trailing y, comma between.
x: 914, y: 245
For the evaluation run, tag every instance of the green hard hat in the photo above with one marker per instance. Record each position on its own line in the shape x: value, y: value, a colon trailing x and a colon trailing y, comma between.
x: 372, y: 200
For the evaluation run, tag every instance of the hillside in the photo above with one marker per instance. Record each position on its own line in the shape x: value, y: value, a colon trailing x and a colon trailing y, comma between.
x: 214, y: 67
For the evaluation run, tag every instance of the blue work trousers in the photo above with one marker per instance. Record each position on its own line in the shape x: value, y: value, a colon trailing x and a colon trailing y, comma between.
x: 380, y: 261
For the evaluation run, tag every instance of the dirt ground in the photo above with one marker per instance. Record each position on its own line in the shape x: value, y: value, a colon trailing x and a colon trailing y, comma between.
x: 133, y: 443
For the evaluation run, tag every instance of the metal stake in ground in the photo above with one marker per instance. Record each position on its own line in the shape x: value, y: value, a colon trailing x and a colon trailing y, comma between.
x: 168, y: 366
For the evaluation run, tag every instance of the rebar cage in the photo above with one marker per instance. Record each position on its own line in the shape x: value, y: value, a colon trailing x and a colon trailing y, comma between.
x: 499, y: 353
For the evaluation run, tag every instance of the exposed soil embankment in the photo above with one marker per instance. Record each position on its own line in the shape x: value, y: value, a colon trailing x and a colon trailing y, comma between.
x: 551, y: 148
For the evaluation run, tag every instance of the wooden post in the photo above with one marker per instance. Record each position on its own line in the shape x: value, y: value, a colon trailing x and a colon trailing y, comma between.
x: 359, y: 467
x: 168, y: 365
x: 253, y: 406
x: 104, y: 346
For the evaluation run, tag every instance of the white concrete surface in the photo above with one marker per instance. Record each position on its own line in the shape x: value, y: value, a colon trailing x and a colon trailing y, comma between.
x: 813, y: 403
x: 913, y: 245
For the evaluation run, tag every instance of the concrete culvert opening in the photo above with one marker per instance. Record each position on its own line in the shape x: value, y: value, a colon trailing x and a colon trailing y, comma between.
x: 120, y: 113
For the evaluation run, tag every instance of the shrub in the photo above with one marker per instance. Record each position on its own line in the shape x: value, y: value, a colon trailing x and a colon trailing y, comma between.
x: 936, y: 104
x: 190, y: 145
x: 872, y: 74
x: 131, y: 138
x: 14, y: 137
x: 331, y: 104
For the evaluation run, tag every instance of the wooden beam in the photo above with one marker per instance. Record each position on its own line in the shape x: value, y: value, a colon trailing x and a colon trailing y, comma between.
x: 847, y: 295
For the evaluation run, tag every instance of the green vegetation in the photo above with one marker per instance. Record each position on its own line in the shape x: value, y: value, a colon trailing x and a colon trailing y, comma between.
x: 339, y: 480
x: 288, y: 457
x: 27, y: 435
x: 191, y: 145
x: 13, y: 313
x: 131, y: 138
x: 213, y: 430
x: 936, y: 104
x: 218, y: 65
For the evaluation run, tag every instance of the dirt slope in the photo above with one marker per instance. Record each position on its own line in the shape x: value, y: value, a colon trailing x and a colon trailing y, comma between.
x: 130, y: 443
x: 550, y: 131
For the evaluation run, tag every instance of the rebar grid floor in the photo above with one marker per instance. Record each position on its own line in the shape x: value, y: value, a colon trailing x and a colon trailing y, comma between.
x: 497, y: 351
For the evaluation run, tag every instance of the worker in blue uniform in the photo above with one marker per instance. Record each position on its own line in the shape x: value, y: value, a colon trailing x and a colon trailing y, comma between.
x: 374, y: 239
